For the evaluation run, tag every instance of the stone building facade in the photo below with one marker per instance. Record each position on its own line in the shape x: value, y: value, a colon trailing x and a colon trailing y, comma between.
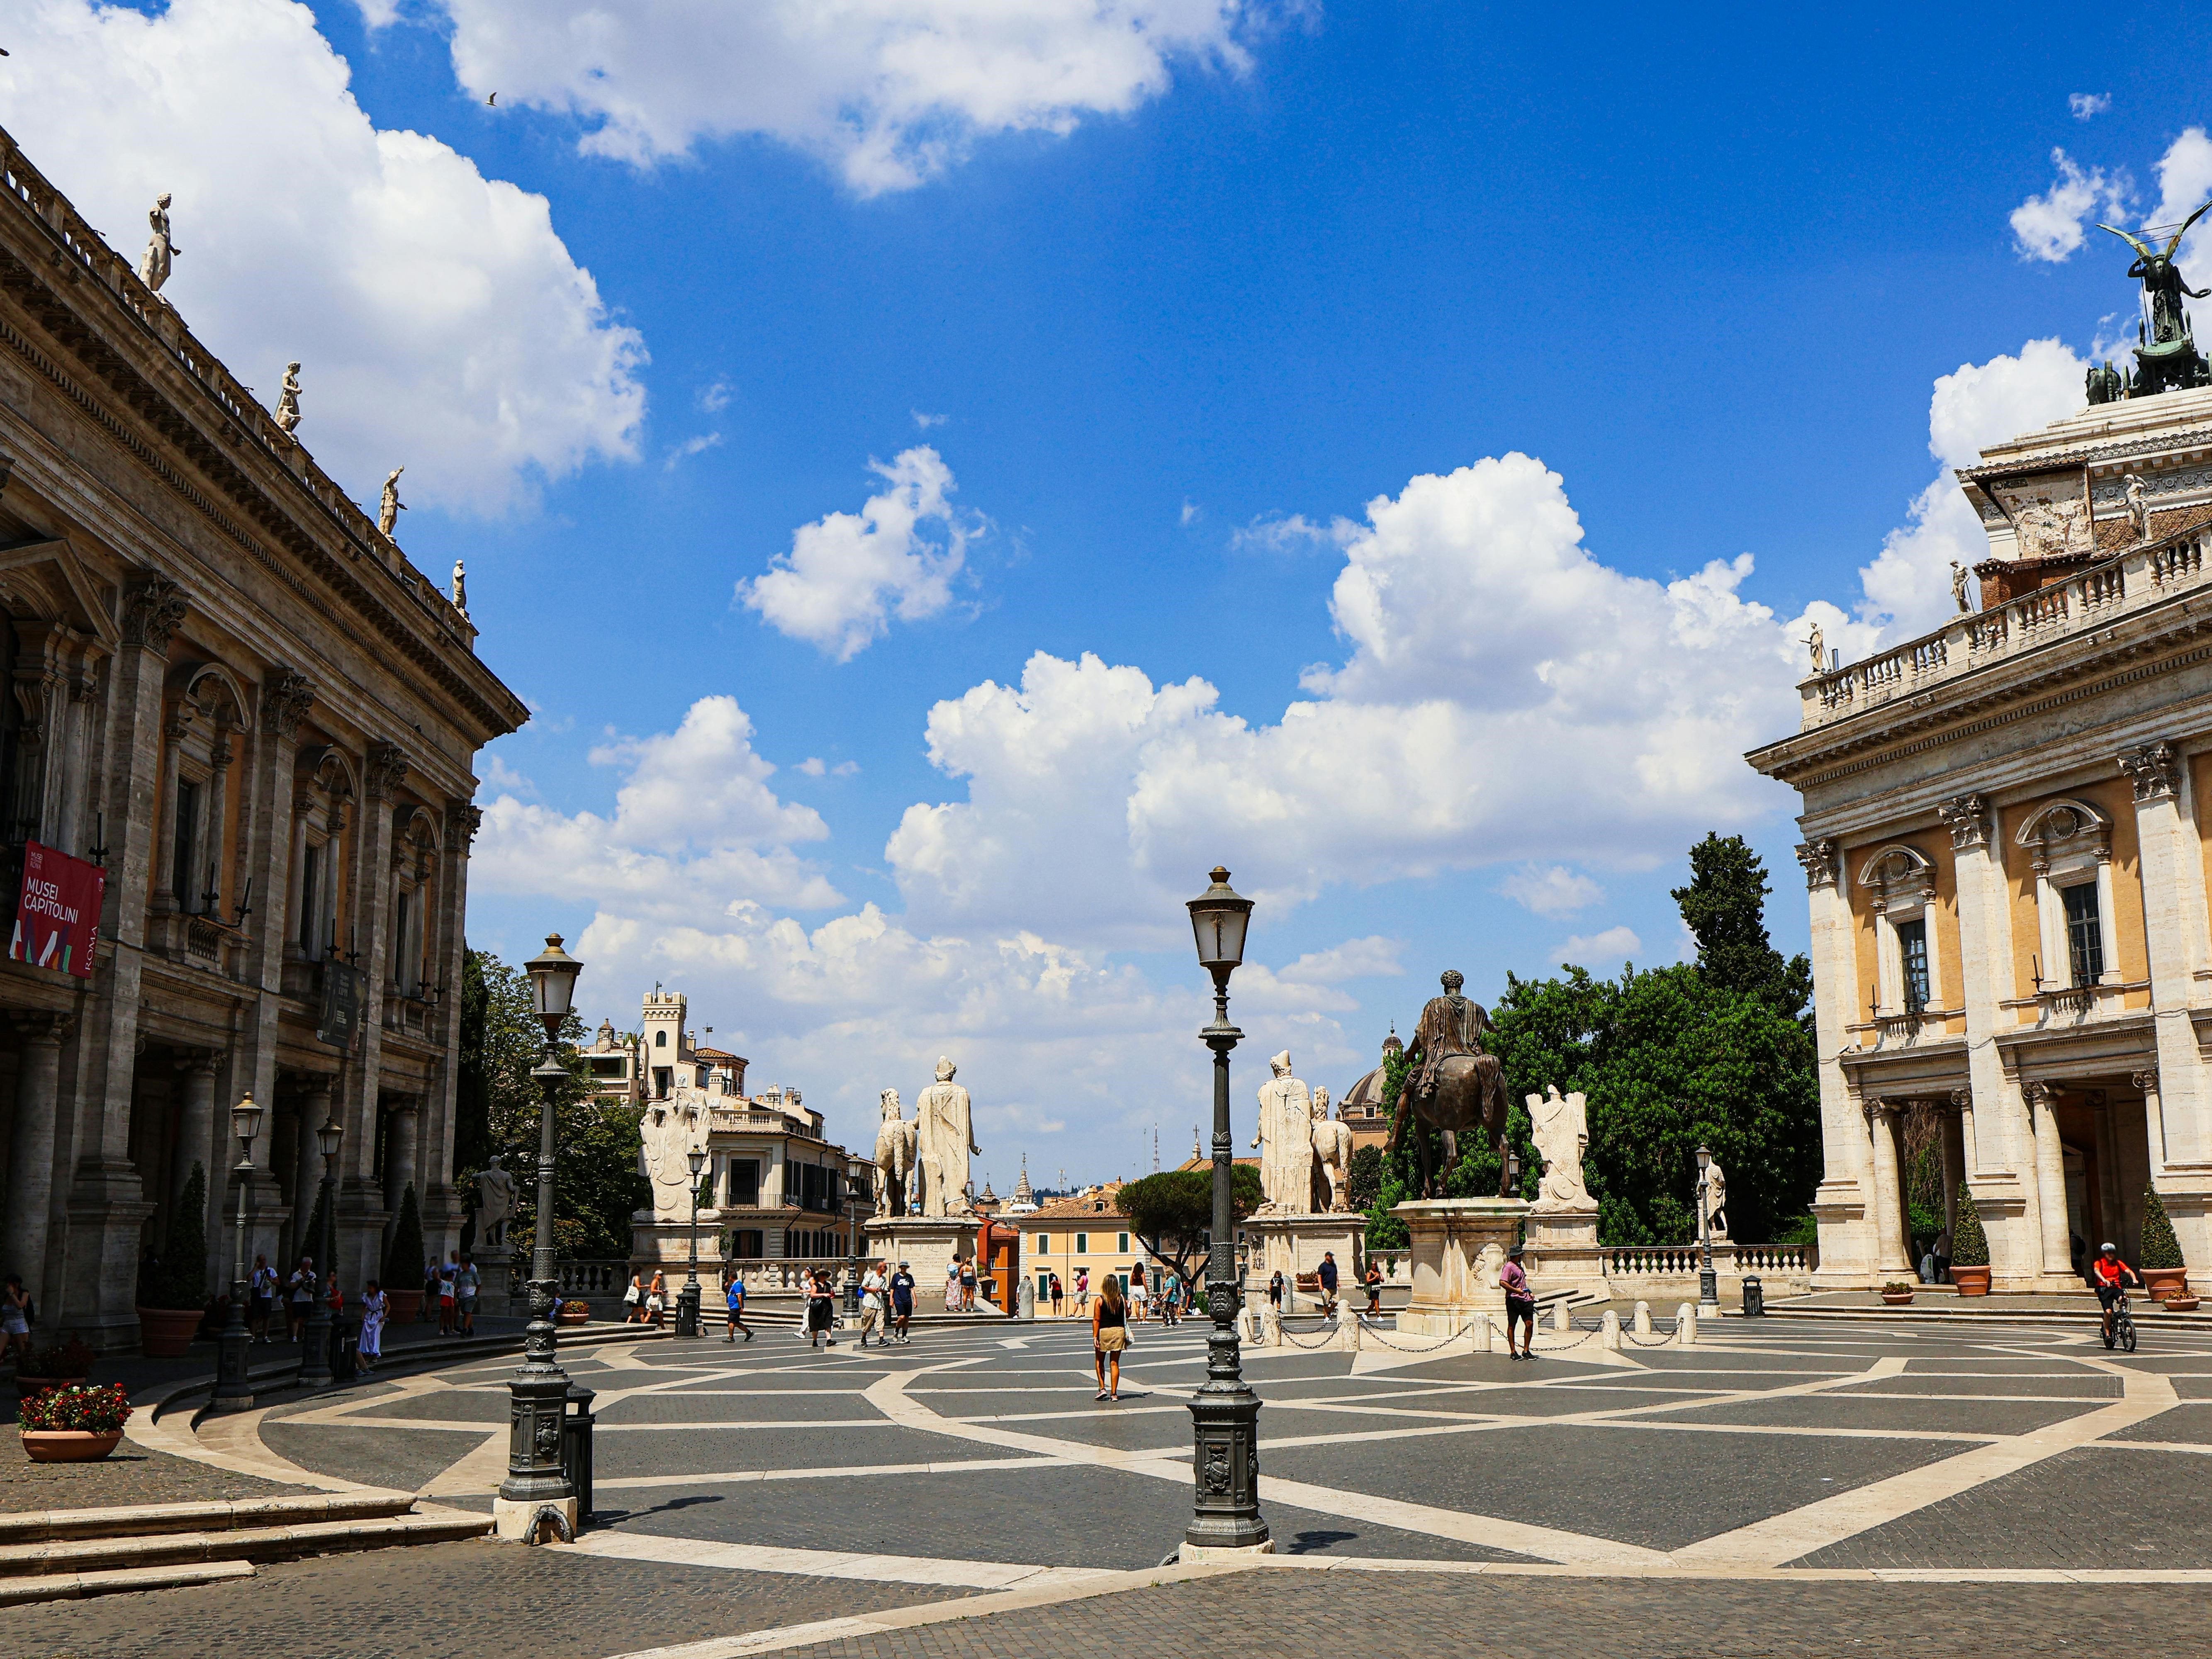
x: 237, y: 697
x: 2008, y: 825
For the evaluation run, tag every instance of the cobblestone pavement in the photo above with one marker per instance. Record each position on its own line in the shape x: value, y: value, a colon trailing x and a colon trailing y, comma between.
x: 131, y: 1475
x: 438, y: 1601
x: 1453, y: 1497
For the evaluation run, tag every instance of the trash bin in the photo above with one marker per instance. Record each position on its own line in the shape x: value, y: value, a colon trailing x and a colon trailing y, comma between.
x: 1754, y: 1297
x: 576, y: 1447
x: 344, y: 1350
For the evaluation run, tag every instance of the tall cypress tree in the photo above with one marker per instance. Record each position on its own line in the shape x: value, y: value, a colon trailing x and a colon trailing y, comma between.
x: 1724, y: 906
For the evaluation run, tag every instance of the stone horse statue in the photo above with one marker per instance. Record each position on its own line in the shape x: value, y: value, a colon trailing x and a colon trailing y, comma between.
x: 895, y: 1146
x: 1332, y: 1164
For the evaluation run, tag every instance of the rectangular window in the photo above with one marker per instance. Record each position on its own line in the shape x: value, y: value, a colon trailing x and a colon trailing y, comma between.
x: 1122, y: 1247
x: 745, y: 1244
x: 661, y: 1077
x: 311, y: 883
x: 744, y: 1182
x: 1083, y: 1244
x: 1043, y: 1245
x: 402, y: 973
x: 1913, y: 953
x: 2085, y: 932
x: 184, y: 881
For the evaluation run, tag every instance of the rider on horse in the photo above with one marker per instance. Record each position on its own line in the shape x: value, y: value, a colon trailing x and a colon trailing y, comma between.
x: 1450, y: 1025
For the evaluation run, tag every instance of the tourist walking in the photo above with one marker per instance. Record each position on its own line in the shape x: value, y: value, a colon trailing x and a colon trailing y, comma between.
x: 447, y: 1305
x: 656, y: 1297
x: 634, y: 1301
x: 260, y: 1300
x: 1275, y: 1294
x: 1171, y: 1299
x: 1329, y: 1276
x: 300, y: 1293
x: 430, y: 1291
x: 902, y: 1302
x: 952, y: 1288
x: 820, y: 1309
x: 735, y: 1296
x: 871, y: 1306
x: 467, y: 1281
x: 968, y: 1286
x: 1109, y: 1337
x: 15, y: 1319
x: 1053, y: 1280
x: 1082, y: 1289
x: 1520, y: 1305
x: 1137, y: 1296
x: 372, y: 1308
x: 1374, y: 1287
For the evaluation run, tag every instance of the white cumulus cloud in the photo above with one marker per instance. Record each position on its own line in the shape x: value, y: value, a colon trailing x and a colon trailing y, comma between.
x: 2051, y: 227
x: 440, y: 320
x: 2086, y: 105
x: 1614, y: 944
x: 1551, y: 890
x: 848, y: 574
x: 888, y: 91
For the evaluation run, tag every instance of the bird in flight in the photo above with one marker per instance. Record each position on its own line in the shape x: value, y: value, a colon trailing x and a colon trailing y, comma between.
x: 492, y: 100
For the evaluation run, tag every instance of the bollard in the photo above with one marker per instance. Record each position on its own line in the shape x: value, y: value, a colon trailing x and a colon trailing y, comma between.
x: 1275, y: 1337
x: 1348, y: 1329
x: 1562, y: 1321
x: 1608, y: 1331
x: 1481, y: 1334
x: 1643, y: 1322
x: 1686, y: 1326
x: 1754, y: 1297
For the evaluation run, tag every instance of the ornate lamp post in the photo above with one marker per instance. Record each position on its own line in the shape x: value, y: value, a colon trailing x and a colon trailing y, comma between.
x: 687, y: 1299
x: 315, y: 1338
x: 233, y: 1393
x: 536, y: 1491
x: 1709, y: 1300
x: 1224, y: 1412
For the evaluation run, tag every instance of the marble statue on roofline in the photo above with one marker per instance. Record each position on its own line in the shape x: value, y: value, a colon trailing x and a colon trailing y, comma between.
x: 161, y: 253
x: 389, y: 507
x: 288, y: 398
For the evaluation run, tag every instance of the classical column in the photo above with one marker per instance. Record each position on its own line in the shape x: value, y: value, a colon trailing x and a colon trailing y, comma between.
x: 314, y: 1112
x: 2049, y: 1177
x: 166, y: 899
x: 2154, y: 1120
x: 2172, y: 896
x: 24, y: 1218
x: 196, y: 1136
x: 1888, y: 1204
x: 1951, y: 1146
x: 1843, y: 1204
x: 443, y: 1211
x: 401, y: 1144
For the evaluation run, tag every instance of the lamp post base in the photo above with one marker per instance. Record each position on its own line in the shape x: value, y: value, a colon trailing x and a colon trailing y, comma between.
x: 527, y: 1521
x: 1192, y: 1555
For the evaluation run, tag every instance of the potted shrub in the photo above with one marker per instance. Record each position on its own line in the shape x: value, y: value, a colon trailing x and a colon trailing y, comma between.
x: 74, y: 1425
x: 1970, y: 1249
x: 2163, y: 1275
x: 403, y: 1262
x: 64, y: 1366
x: 176, y: 1295
x: 573, y: 1313
x: 1896, y: 1293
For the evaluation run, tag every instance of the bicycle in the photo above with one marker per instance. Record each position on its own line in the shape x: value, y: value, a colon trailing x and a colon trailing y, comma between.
x: 2123, y: 1334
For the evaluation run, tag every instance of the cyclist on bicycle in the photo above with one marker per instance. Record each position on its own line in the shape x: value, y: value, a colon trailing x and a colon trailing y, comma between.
x: 2105, y: 1274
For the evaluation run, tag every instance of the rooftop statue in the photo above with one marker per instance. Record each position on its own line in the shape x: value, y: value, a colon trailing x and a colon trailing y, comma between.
x: 161, y: 253
x: 288, y: 398
x: 2168, y: 355
x: 390, y: 507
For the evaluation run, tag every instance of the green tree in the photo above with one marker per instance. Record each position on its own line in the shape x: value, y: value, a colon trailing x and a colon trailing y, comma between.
x: 1362, y: 1182
x: 180, y: 1282
x: 2160, y: 1249
x: 1724, y: 906
x: 1969, y: 1245
x: 597, y: 1183
x: 1172, y: 1212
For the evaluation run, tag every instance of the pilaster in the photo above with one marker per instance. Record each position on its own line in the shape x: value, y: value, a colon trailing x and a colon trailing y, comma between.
x: 1840, y: 1206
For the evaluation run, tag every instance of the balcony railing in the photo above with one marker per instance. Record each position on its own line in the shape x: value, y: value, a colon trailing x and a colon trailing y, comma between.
x: 2090, y: 599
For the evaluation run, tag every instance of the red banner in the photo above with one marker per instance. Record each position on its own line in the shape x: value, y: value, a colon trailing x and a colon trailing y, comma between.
x: 57, y: 914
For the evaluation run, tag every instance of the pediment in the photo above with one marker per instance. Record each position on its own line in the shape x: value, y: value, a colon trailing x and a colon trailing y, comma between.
x: 48, y: 580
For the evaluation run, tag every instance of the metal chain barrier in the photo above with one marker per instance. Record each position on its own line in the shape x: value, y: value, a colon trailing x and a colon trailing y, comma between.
x: 1328, y: 1336
x: 1375, y: 1331
x: 1658, y: 1341
x: 1562, y: 1347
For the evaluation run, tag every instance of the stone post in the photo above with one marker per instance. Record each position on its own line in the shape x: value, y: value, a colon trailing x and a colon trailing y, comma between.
x: 2049, y: 1181
x: 1609, y: 1331
x: 28, y: 1215
x: 1888, y: 1190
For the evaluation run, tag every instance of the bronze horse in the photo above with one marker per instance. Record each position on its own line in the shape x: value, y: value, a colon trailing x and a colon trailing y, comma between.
x: 1470, y: 1090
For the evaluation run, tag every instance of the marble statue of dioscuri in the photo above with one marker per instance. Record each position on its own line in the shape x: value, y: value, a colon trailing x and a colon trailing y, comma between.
x: 1560, y: 1127
x: 1285, y: 1141
x: 1332, y: 1149
x: 495, y: 1202
x: 894, y: 1157
x: 945, y: 1140
x: 669, y: 1133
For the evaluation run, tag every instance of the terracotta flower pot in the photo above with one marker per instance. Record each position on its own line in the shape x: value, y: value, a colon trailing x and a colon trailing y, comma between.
x: 2182, y: 1302
x: 565, y: 1317
x: 69, y: 1445
x: 1971, y: 1282
x: 2162, y: 1283
x: 27, y: 1386
x: 165, y: 1333
x: 1897, y: 1298
x: 403, y: 1305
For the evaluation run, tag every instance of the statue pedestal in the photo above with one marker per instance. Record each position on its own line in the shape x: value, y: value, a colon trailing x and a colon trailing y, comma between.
x: 1563, y: 1252
x: 496, y: 1264
x: 1293, y: 1244
x: 1458, y: 1246
x: 659, y: 1242
x: 928, y: 1244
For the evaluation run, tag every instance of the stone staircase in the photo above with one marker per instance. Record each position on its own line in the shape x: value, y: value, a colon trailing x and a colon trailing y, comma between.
x: 60, y: 1554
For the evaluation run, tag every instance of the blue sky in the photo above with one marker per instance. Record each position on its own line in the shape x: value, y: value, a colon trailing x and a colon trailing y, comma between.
x: 1165, y: 336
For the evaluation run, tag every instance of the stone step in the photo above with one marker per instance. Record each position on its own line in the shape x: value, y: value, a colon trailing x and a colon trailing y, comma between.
x: 277, y: 1543
x: 72, y: 1586
x: 147, y: 1520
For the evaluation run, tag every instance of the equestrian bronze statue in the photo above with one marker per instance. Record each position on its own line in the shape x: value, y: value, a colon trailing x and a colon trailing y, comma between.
x: 1454, y: 1086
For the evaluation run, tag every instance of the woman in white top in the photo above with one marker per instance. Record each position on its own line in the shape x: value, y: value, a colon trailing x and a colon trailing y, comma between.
x: 372, y: 1306
x: 1137, y: 1296
x: 952, y: 1288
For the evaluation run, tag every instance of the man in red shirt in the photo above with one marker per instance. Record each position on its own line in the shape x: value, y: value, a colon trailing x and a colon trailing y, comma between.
x: 2105, y: 1274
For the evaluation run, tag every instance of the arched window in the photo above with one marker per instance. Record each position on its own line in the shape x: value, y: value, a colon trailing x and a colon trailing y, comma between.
x: 660, y: 1039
